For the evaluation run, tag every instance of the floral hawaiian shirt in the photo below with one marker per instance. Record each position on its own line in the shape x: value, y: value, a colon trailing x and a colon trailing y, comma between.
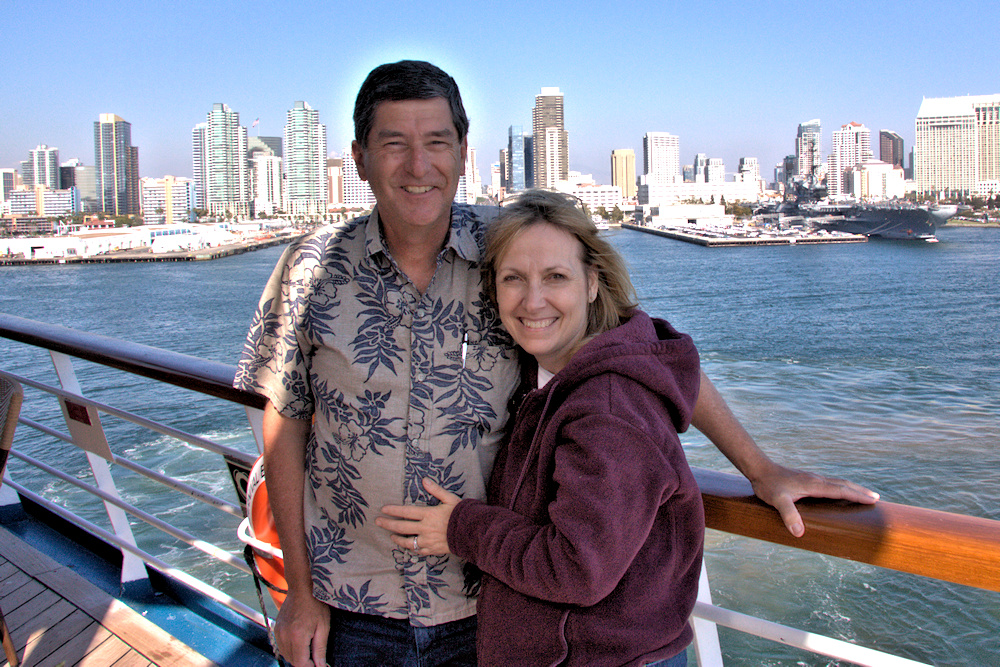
x: 400, y: 386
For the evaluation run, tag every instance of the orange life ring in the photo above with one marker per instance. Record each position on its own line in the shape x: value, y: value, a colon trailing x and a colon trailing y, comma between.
x: 271, y: 569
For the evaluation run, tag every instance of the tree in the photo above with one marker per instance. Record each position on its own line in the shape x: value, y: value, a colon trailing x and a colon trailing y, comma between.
x: 617, y: 215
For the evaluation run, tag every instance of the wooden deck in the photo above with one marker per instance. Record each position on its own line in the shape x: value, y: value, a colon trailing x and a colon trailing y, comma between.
x: 58, y: 619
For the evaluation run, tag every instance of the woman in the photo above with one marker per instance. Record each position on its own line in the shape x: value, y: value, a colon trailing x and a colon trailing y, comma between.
x: 591, y: 543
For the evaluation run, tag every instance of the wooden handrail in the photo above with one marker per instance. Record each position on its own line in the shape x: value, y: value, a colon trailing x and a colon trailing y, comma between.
x: 941, y: 545
x: 951, y: 547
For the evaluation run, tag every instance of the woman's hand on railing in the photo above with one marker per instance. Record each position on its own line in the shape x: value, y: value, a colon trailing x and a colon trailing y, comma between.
x: 781, y: 487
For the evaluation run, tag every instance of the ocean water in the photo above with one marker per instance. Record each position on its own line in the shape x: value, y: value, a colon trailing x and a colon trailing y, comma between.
x: 878, y: 362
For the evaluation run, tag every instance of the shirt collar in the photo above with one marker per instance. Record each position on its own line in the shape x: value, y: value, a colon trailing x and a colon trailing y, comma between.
x: 461, y: 237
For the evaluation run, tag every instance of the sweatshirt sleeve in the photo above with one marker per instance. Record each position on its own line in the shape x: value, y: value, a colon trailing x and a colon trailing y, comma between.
x: 609, y: 481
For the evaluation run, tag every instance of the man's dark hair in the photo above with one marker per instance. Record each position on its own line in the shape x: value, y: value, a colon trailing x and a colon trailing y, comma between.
x: 406, y: 80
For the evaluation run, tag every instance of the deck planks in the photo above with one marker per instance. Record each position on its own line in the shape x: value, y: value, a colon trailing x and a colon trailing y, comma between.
x: 58, y: 618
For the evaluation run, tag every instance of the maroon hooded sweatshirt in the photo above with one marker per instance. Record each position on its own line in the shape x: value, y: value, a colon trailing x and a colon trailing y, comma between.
x: 591, y: 543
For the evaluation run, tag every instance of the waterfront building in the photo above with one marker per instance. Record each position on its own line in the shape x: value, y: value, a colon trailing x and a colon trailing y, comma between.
x: 851, y: 147
x: 45, y: 202
x: 623, y: 171
x: 219, y: 151
x: 551, y: 142
x: 957, y: 147
x: 84, y: 178
x: 715, y: 170
x: 890, y: 147
x: 749, y: 170
x: 875, y: 180
x: 357, y: 193
x: 267, y: 184
x: 306, y: 187
x: 41, y: 167
x: 516, y: 173
x: 469, y: 184
x: 661, y: 194
x: 496, y: 177
x: 167, y: 200
x: 117, y: 163
x: 591, y: 193
x: 661, y: 157
x: 699, y: 168
x: 688, y: 173
x: 808, y: 150
x: 335, y: 183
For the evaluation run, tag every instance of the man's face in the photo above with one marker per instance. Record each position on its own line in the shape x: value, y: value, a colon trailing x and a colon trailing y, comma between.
x: 412, y: 163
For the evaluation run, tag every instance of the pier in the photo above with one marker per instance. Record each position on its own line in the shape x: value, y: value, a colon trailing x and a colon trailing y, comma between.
x: 719, y: 239
x: 144, y: 254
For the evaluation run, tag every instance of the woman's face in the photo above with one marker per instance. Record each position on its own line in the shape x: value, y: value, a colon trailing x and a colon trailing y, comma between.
x: 543, y: 293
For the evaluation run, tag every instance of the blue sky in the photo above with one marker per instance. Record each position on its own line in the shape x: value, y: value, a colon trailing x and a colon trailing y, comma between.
x: 731, y: 79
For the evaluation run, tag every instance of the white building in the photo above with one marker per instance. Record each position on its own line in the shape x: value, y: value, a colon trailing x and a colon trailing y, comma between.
x: 852, y: 145
x: 45, y: 202
x: 167, y: 200
x: 266, y: 183
x: 715, y: 170
x: 661, y: 157
x: 957, y: 147
x: 808, y: 149
x: 874, y: 180
x: 662, y: 194
x: 222, y: 149
x: 306, y: 187
x: 357, y: 193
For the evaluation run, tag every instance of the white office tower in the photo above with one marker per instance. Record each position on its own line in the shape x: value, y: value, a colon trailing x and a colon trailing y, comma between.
x: 265, y: 176
x: 957, y: 147
x: 357, y: 193
x: 808, y: 150
x: 42, y: 167
x: 306, y: 186
x: 167, y: 200
x: 199, y: 164
x: 661, y: 157
x: 551, y: 142
x: 470, y: 187
x: 715, y: 170
x: 852, y: 145
x: 223, y: 151
x: 749, y: 170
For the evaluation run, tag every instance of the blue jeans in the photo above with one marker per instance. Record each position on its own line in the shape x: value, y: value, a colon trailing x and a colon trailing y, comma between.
x: 679, y: 660
x: 362, y: 640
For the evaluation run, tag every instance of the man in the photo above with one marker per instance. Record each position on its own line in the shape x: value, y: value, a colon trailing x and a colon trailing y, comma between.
x: 383, y: 363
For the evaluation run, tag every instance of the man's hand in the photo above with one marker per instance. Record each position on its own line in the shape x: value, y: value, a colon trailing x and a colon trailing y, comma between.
x: 301, y: 630
x: 780, y: 487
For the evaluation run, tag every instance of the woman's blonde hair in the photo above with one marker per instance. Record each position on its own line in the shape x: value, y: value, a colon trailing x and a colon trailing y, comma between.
x: 615, y: 294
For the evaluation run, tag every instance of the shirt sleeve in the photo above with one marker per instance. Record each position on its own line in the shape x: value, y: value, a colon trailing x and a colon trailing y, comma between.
x: 275, y: 356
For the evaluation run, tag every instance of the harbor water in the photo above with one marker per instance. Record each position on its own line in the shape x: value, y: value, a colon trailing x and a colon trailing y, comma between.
x: 878, y: 362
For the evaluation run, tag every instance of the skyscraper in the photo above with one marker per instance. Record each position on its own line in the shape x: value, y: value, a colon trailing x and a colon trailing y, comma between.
x: 852, y: 145
x: 117, y: 164
x: 700, y: 168
x: 623, y: 171
x: 551, y: 143
x: 957, y: 147
x: 516, y: 174
x: 890, y: 148
x: 41, y: 167
x: 306, y: 188
x: 661, y: 157
x: 808, y: 149
x: 219, y: 154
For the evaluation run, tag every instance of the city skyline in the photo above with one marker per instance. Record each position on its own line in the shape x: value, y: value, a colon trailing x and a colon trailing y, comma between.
x: 735, y: 83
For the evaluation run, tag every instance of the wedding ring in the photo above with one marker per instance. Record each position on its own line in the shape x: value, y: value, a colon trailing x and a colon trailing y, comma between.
x: 415, y: 547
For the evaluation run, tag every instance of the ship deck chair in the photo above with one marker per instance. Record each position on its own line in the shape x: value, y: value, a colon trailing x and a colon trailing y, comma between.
x: 11, y: 395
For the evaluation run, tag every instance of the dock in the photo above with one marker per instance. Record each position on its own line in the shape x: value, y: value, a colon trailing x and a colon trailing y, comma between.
x: 717, y: 239
x: 58, y: 618
x: 146, y: 255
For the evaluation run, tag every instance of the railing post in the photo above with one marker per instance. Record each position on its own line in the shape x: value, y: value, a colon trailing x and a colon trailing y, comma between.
x: 706, y: 634
x: 134, y: 576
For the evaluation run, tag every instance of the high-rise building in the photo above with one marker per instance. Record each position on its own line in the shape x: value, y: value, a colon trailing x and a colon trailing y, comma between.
x: 84, y: 178
x: 551, y: 142
x: 41, y: 167
x: 700, y: 168
x: 117, y: 164
x: 219, y: 154
x: 167, y: 200
x: 661, y: 157
x: 335, y: 182
x: 516, y: 174
x: 957, y: 147
x: 890, y: 148
x: 8, y: 181
x: 623, y: 171
x: 852, y: 145
x: 749, y: 170
x: 357, y: 193
x: 306, y: 190
x: 270, y: 145
x: 808, y: 149
x: 715, y: 170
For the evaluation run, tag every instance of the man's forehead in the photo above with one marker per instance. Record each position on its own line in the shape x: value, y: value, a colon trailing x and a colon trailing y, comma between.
x: 432, y: 114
